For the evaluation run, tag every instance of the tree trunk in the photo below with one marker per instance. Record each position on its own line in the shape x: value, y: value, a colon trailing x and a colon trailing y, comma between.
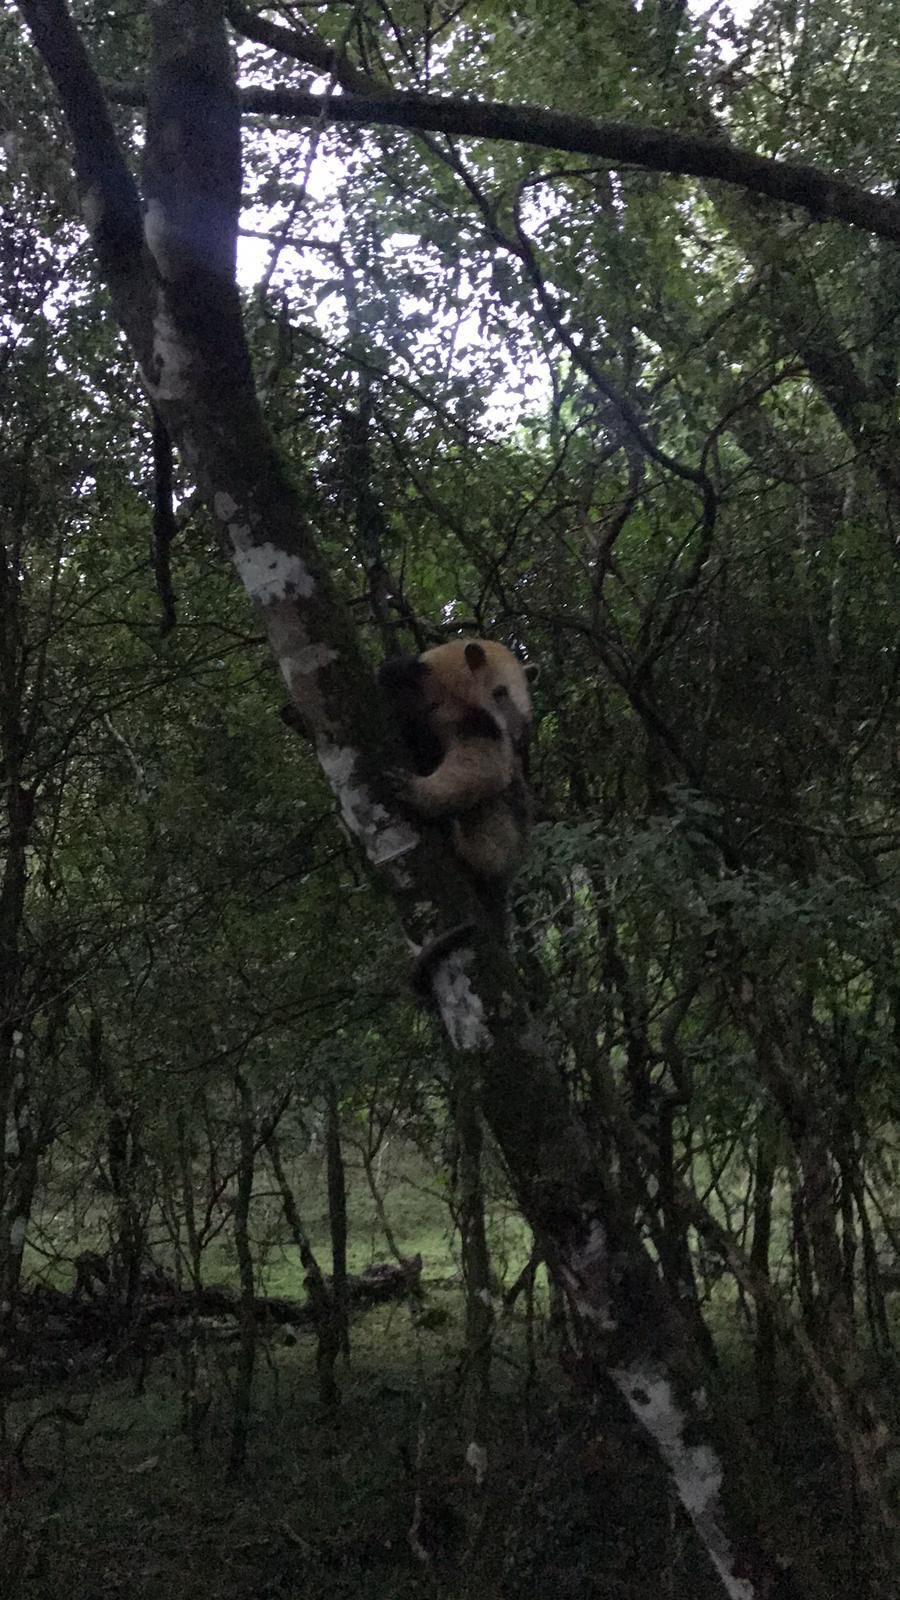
x: 243, y: 1396
x: 763, y: 1185
x: 337, y: 1218
x: 476, y: 1259
x: 320, y: 1296
x: 195, y: 1389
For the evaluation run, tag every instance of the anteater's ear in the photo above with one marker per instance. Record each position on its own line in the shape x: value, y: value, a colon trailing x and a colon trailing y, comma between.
x: 475, y: 656
x: 532, y: 671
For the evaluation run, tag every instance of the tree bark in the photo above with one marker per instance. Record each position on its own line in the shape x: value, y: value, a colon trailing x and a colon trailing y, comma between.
x: 321, y: 1298
x: 475, y: 1254
x: 240, y: 1426
x: 337, y: 1218
x: 763, y: 1185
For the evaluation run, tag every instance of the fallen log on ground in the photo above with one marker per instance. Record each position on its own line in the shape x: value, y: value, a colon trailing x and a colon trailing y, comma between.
x: 59, y: 1334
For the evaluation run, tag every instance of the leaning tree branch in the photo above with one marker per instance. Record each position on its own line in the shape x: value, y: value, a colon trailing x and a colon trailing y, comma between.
x: 825, y: 196
x: 109, y: 198
x: 302, y: 45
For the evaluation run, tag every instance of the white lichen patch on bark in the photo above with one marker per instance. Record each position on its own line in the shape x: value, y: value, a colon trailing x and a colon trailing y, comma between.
x: 477, y: 1459
x: 169, y: 135
x: 158, y: 238
x: 173, y: 358
x: 17, y: 1234
x: 338, y: 764
x: 531, y: 1040
x: 460, y: 1006
x: 391, y: 842
x: 225, y: 507
x: 593, y: 1252
x: 586, y: 1273
x: 92, y: 207
x: 306, y: 662
x: 695, y: 1468
x: 383, y: 837
x: 267, y: 573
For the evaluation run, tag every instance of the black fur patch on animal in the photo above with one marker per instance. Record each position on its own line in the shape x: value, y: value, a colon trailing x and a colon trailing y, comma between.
x: 478, y: 724
x: 401, y: 679
x: 402, y: 674
x: 518, y: 798
x: 434, y: 952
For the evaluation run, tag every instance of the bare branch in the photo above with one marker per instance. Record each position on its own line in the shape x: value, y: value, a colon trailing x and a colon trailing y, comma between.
x: 301, y: 44
x: 825, y: 196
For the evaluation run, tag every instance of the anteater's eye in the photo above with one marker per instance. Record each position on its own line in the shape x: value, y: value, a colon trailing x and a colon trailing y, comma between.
x: 501, y: 692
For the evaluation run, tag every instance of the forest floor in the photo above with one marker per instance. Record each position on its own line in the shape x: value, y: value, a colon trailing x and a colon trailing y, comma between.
x: 120, y: 1506
x: 111, y: 1500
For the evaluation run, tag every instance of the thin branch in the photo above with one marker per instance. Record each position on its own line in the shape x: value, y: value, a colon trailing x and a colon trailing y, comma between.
x: 826, y: 197
x: 301, y: 44
x: 585, y: 361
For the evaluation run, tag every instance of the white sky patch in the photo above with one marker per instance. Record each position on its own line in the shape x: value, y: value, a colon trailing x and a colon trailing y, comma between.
x: 317, y: 184
x: 309, y: 223
x: 304, y: 224
x: 702, y: 11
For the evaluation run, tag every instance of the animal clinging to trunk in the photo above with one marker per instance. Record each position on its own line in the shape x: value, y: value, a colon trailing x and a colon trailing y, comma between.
x: 464, y: 711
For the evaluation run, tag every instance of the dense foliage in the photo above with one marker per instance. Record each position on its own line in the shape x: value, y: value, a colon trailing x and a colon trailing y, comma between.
x: 643, y: 428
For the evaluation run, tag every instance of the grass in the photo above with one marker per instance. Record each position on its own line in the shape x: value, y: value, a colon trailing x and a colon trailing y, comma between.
x: 574, y: 1508
x: 415, y: 1201
x: 122, y: 1507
